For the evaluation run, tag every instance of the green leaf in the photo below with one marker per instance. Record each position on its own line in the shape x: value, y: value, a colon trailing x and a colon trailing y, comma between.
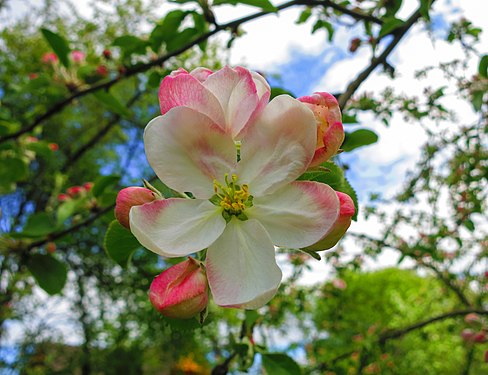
x: 49, y: 272
x: 112, y: 103
x: 469, y: 225
x: 39, y: 225
x: 424, y: 9
x: 329, y: 173
x: 167, y: 29
x: 390, y: 25
x: 280, y: 364
x: 321, y: 24
x: 101, y: 183
x: 181, y: 39
x: 120, y: 243
x: 483, y: 66
x: 131, y: 44
x: 59, y: 45
x: 263, y: 4
x: 154, y: 80
x: 67, y: 209
x: 12, y: 169
x: 359, y: 138
x: 477, y: 100
x: 304, y: 16
x: 275, y: 91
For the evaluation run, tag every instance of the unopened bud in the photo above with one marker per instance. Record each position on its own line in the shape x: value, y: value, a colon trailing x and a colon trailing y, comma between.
x: 181, y: 291
x: 354, y: 45
x: 107, y: 54
x: 472, y: 318
x: 334, y: 234
x: 78, y: 56
x: 53, y: 146
x: 50, y: 247
x: 73, y: 191
x: 101, y: 71
x: 129, y: 197
x: 330, y: 133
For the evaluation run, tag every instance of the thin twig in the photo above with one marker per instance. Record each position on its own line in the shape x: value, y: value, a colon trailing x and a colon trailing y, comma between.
x: 380, y: 60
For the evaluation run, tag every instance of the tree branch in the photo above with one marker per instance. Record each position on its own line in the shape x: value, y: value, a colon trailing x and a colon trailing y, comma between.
x: 396, y: 333
x: 358, y: 16
x: 57, y: 235
x: 381, y: 59
x: 105, y: 85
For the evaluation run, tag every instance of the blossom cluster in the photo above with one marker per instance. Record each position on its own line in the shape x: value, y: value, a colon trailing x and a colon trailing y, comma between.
x: 234, y: 157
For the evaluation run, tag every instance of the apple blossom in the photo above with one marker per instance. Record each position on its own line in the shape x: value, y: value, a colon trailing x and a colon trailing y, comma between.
x: 129, y: 197
x: 246, y: 198
x: 181, y: 291
x: 330, y: 133
x: 340, y: 227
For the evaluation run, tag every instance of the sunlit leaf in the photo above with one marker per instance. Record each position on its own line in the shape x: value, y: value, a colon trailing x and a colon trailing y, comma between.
x: 59, y: 45
x: 120, y: 243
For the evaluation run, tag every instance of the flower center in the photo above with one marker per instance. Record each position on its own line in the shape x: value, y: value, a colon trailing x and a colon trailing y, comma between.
x: 232, y: 197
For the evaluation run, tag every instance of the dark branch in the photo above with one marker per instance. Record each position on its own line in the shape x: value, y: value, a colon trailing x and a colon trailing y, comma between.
x: 380, y: 60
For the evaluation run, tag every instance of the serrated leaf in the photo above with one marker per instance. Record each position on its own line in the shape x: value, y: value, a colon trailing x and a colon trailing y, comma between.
x: 112, y: 103
x: 389, y: 26
x: 59, y: 45
x: 280, y: 364
x: 120, y: 243
x: 102, y: 182
x: 50, y: 273
x: 39, y: 225
x: 359, y: 138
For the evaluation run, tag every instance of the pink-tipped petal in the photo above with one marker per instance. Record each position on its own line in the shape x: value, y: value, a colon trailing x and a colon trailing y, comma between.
x: 238, y: 95
x: 330, y: 133
x: 241, y: 266
x: 337, y: 231
x: 298, y: 214
x: 201, y: 73
x: 278, y: 147
x: 180, y: 88
x: 176, y: 227
x: 188, y: 151
x: 129, y: 197
x: 181, y: 291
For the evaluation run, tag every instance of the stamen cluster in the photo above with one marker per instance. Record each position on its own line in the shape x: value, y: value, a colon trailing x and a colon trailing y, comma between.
x: 233, y: 198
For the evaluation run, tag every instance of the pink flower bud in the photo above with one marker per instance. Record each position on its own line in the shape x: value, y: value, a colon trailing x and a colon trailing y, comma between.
x: 63, y: 197
x: 479, y: 337
x: 181, y: 291
x: 53, y: 146
x: 339, y: 284
x: 107, y: 54
x: 472, y: 318
x: 33, y: 76
x: 49, y: 58
x: 334, y: 234
x: 88, y: 186
x: 354, y: 45
x: 330, y: 133
x: 78, y: 56
x: 129, y: 197
x: 74, y: 190
x: 101, y: 70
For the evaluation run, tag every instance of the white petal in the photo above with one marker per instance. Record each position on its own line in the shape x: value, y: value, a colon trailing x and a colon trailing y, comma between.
x: 297, y: 215
x: 278, y: 147
x: 176, y: 227
x: 188, y: 151
x: 241, y: 266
